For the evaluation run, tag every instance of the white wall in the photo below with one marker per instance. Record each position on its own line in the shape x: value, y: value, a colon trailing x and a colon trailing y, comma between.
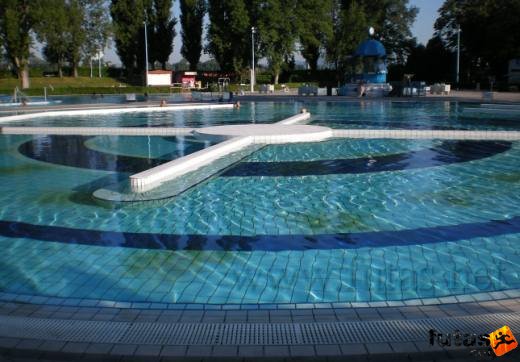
x: 159, y: 79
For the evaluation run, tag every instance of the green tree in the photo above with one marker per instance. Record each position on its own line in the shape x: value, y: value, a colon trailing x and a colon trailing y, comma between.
x: 51, y: 30
x: 350, y: 29
x: 277, y: 32
x: 128, y: 18
x: 489, y: 37
x: 192, y: 17
x: 431, y: 63
x: 314, y: 27
x: 16, y: 23
x: 163, y: 33
x: 229, y: 34
x: 97, y: 29
x: 60, y: 28
x: 76, y: 34
x: 392, y: 20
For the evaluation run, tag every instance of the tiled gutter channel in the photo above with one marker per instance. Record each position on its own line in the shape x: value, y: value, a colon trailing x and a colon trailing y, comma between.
x: 364, y: 334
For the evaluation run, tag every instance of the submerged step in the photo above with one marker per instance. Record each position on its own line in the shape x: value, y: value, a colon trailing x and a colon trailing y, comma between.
x: 153, y: 177
x: 238, y: 141
x: 303, y: 117
x: 237, y: 137
x: 123, y: 192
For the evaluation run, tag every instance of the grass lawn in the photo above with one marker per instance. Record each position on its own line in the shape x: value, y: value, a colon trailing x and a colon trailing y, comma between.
x: 87, y: 85
x: 80, y: 85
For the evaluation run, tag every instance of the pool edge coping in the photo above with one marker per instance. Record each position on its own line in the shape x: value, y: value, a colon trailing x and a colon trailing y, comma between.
x: 102, y: 303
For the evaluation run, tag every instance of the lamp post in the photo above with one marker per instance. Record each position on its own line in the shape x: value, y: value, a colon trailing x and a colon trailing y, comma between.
x: 146, y: 47
x: 458, y: 56
x: 100, y: 55
x: 253, y: 31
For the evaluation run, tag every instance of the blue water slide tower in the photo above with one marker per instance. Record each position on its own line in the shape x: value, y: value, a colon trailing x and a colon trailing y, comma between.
x: 373, y: 56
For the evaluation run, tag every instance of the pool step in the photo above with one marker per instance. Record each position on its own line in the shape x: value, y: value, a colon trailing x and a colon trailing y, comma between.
x: 123, y: 191
x: 302, y: 118
x: 146, y: 180
x: 237, y: 138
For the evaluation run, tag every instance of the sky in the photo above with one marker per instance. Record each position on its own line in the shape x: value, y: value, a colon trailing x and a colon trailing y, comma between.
x: 422, y: 29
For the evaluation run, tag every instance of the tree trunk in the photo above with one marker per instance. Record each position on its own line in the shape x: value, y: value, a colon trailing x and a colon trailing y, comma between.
x: 23, y: 74
x: 276, y: 77
x: 313, y: 63
x: 60, y: 71
x: 75, y: 69
x: 163, y: 65
x: 22, y: 70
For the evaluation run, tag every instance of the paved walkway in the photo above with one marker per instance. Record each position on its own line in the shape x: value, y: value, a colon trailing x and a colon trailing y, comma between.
x: 360, y: 334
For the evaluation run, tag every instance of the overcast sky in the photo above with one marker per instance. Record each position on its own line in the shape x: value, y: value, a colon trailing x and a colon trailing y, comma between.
x: 422, y: 28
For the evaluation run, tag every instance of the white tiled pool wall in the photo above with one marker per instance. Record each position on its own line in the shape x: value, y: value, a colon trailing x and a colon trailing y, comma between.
x: 89, y: 112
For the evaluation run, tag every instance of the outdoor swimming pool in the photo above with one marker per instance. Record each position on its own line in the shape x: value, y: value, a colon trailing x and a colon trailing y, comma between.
x: 355, y: 115
x: 337, y: 221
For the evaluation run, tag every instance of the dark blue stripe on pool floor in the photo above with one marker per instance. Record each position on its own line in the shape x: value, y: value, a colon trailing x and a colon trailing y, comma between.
x: 447, y: 153
x: 425, y: 235
x: 71, y: 151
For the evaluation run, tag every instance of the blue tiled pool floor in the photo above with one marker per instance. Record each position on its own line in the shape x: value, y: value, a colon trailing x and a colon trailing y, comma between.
x: 397, y: 220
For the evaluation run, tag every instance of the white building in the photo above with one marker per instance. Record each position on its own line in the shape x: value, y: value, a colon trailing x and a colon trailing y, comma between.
x: 159, y: 77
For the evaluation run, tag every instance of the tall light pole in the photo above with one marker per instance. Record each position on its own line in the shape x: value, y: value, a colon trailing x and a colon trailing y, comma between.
x: 100, y: 55
x: 146, y: 47
x: 458, y: 55
x: 253, y: 31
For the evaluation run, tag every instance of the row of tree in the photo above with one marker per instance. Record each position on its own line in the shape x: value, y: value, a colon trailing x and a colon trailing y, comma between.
x: 316, y: 28
x: 323, y: 31
x: 328, y: 29
x: 489, y: 39
x: 71, y: 30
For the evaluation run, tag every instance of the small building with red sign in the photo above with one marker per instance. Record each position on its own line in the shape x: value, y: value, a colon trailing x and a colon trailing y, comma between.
x: 186, y: 79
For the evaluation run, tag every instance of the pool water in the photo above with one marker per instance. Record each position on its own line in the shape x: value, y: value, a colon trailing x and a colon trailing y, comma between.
x: 354, y: 115
x: 257, y: 113
x: 337, y: 221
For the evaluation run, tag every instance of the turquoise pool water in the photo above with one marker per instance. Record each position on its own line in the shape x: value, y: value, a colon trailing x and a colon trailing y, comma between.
x: 257, y: 113
x: 405, y: 115
x: 353, y: 114
x: 336, y: 221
